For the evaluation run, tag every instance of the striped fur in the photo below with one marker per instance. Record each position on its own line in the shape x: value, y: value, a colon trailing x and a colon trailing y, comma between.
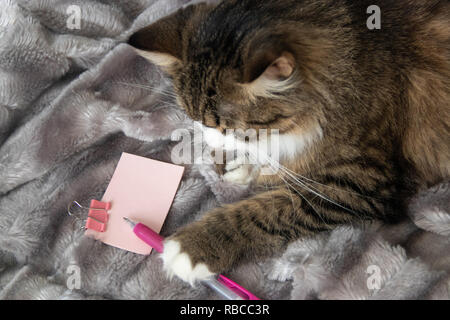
x: 380, y: 98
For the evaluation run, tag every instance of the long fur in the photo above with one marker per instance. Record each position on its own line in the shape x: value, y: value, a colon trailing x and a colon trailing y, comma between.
x: 380, y: 97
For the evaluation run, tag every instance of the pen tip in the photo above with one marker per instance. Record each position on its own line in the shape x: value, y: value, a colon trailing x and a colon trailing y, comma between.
x: 130, y: 222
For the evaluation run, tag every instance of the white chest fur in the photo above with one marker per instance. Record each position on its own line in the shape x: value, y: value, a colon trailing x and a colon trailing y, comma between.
x: 274, y: 145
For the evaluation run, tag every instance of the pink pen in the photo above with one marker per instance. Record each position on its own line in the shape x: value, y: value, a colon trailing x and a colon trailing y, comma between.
x: 221, y: 284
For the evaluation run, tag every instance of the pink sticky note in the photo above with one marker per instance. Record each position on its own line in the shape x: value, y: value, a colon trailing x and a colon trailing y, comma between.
x: 141, y: 189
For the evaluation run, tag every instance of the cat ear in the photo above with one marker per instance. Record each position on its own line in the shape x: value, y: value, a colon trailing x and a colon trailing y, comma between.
x: 269, y: 73
x: 281, y: 68
x: 162, y: 42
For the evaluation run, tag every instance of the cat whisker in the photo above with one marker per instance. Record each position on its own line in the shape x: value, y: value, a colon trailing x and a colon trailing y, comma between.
x: 296, y: 191
x: 306, y: 186
x: 295, y: 181
x: 143, y: 86
x: 249, y: 155
x: 150, y: 88
x: 327, y: 186
x: 315, y: 191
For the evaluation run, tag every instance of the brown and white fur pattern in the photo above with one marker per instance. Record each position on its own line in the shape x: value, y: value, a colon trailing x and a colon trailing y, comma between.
x: 363, y: 115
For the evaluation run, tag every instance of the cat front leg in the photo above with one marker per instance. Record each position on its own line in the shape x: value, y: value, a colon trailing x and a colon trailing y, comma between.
x: 257, y: 227
x: 244, y: 231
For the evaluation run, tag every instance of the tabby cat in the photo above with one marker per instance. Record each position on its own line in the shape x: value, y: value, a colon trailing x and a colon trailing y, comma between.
x: 363, y: 115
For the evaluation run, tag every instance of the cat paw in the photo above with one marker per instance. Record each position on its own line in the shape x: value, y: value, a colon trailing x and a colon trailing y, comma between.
x: 239, y: 171
x: 180, y: 263
x: 240, y: 175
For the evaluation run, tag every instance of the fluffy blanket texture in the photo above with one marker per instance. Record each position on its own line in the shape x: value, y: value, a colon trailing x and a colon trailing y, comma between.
x: 73, y: 99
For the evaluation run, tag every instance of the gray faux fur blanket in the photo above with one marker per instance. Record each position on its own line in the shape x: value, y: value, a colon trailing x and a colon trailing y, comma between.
x: 73, y: 97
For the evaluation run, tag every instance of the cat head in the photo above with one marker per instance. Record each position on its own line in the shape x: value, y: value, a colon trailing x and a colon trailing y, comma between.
x: 235, y: 69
